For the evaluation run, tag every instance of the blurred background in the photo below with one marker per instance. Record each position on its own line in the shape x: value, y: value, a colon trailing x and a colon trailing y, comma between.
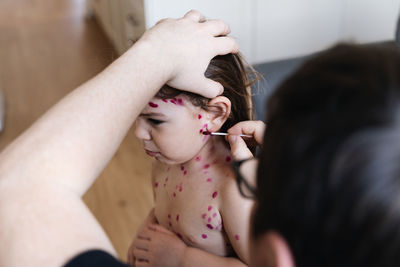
x: 49, y: 47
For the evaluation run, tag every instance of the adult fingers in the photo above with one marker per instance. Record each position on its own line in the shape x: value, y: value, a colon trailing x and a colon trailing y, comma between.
x: 206, y: 87
x: 225, y: 45
x: 195, y: 16
x: 217, y: 27
x: 239, y: 148
x: 253, y: 128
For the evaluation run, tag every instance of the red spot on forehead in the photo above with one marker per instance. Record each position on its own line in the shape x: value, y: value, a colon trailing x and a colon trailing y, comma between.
x: 206, y: 166
x: 199, y: 116
x: 215, y: 194
x: 204, y: 236
x: 153, y: 105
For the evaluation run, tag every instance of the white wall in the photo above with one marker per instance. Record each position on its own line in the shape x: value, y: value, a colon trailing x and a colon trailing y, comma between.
x: 269, y: 30
x: 370, y: 20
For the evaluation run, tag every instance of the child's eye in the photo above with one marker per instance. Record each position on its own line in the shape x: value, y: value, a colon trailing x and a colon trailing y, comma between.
x: 154, y: 121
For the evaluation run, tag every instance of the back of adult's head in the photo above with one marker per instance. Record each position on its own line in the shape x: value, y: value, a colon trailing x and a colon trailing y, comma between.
x: 329, y: 175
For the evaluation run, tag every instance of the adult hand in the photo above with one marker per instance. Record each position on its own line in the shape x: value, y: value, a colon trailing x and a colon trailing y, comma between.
x: 157, y: 246
x: 184, y: 48
x: 239, y: 147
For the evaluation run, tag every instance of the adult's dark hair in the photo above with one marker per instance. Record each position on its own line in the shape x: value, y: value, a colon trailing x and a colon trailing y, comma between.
x: 230, y: 71
x: 329, y: 174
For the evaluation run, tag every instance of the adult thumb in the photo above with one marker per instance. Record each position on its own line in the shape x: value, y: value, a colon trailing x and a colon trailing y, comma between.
x: 239, y: 148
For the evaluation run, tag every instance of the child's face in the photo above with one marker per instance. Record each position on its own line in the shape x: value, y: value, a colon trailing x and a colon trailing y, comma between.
x: 171, y: 129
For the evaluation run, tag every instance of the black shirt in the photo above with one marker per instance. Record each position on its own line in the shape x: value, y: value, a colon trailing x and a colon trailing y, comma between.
x: 95, y: 258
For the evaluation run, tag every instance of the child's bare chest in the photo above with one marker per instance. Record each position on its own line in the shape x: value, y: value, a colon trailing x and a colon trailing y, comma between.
x: 188, y: 204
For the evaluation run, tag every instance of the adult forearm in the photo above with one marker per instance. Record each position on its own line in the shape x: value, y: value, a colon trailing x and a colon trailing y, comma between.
x: 76, y: 138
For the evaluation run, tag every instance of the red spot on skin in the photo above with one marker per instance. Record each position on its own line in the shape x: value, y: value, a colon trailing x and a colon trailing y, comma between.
x: 173, y: 101
x: 237, y: 237
x: 166, y: 179
x: 214, y: 215
x: 201, y: 131
x: 180, y: 189
x: 210, y: 226
x: 204, y: 215
x: 185, y: 172
x: 215, y: 194
x: 209, y: 219
x: 174, y: 194
x: 177, y: 217
x: 204, y: 236
x: 169, y: 216
x: 179, y: 235
x: 155, y: 184
x: 198, y: 158
x: 209, y: 208
x: 209, y: 180
x: 170, y: 224
x: 228, y: 159
x: 153, y: 105
x: 182, y: 167
x: 206, y: 166
x: 179, y: 102
x: 199, y: 117
x: 165, y: 100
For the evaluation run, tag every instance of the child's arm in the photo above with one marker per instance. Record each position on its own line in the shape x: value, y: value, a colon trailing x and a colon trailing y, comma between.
x: 157, y: 246
x: 235, y: 211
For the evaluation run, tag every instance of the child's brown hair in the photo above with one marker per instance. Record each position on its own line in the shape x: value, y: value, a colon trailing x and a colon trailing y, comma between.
x: 230, y: 71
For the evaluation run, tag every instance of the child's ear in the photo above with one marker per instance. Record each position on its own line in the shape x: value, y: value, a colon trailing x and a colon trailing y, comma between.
x: 219, y: 109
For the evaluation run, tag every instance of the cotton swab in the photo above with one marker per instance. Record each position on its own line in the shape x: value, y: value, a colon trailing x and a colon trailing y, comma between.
x: 218, y: 133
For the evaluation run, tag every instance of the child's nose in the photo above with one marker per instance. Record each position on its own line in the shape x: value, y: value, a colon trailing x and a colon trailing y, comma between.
x: 141, y: 132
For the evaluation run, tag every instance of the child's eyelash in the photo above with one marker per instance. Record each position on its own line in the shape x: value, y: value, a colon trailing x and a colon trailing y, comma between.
x: 154, y: 121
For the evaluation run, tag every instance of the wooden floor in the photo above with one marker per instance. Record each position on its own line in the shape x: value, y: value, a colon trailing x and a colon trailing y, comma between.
x: 47, y: 48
